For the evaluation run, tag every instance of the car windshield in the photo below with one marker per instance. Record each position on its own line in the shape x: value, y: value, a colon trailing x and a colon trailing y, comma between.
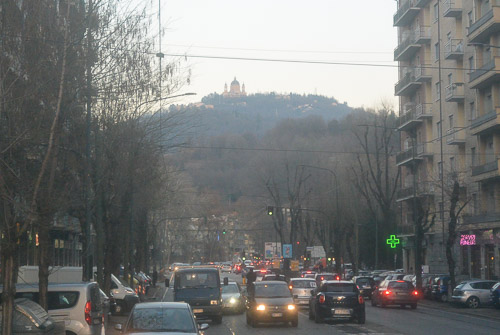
x: 197, y: 280
x: 272, y: 291
x: 161, y: 319
x: 338, y: 287
x: 231, y: 288
x: 304, y: 284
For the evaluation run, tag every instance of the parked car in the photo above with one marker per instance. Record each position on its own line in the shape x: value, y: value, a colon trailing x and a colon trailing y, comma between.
x: 270, y: 302
x: 366, y: 285
x: 78, y: 305
x: 161, y: 317
x: 301, y: 289
x: 395, y: 292
x: 125, y: 298
x: 473, y: 293
x: 31, y: 318
x: 337, y: 300
x: 233, y: 299
x: 440, y: 288
x: 427, y: 282
x: 495, y: 295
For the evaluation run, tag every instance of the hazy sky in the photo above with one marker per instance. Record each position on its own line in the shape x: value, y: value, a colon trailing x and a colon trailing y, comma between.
x: 336, y: 31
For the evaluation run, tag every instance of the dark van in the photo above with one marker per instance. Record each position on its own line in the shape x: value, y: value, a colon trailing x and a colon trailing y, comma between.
x: 200, y: 287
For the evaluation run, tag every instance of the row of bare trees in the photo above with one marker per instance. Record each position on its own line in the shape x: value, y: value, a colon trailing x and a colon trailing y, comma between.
x: 79, y: 132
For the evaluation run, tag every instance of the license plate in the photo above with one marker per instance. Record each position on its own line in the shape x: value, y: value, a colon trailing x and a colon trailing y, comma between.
x: 197, y: 310
x: 342, y: 312
x: 277, y: 315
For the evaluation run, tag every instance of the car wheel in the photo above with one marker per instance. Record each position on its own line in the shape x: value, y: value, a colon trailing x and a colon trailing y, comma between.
x: 217, y: 319
x: 444, y: 297
x: 361, y: 318
x: 473, y: 302
x: 413, y: 306
x: 317, y: 317
x: 295, y: 322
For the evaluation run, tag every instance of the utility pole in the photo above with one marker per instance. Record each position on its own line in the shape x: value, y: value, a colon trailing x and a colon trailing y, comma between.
x: 88, y: 215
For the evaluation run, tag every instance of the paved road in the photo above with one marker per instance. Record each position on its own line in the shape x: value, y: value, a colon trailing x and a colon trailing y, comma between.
x: 427, y: 319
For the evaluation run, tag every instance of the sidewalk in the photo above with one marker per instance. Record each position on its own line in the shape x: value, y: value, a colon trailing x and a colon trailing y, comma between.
x: 487, y: 312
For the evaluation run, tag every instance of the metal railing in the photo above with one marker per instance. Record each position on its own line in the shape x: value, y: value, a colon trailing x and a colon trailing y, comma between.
x: 483, y: 119
x: 488, y: 167
x: 423, y: 110
x: 454, y: 46
x: 454, y: 90
x: 405, y: 6
x: 481, y: 218
x: 482, y: 20
x: 487, y: 67
x: 408, y: 78
x: 453, y: 135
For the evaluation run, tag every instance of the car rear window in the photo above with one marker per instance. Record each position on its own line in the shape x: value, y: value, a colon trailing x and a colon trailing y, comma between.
x: 363, y: 281
x: 197, y: 280
x: 304, y: 284
x: 400, y: 285
x: 338, y: 287
x: 56, y: 300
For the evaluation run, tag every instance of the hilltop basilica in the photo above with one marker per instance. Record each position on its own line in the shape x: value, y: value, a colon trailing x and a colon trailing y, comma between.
x: 234, y: 90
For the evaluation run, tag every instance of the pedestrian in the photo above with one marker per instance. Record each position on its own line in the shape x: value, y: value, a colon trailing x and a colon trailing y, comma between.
x: 251, y: 278
x: 321, y: 268
x: 155, y: 277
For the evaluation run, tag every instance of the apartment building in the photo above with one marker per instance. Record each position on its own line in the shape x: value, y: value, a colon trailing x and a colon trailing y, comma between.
x: 449, y: 91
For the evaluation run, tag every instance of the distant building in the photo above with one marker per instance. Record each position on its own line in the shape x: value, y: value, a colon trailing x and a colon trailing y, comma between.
x: 234, y: 91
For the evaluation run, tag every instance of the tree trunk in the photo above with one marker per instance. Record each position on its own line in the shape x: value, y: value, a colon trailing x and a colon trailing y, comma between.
x: 9, y: 277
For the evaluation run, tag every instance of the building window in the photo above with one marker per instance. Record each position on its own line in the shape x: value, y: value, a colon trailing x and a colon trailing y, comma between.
x: 452, y: 164
x: 470, y: 18
x: 473, y: 156
x: 451, y: 121
x: 472, y: 109
x: 438, y: 91
x: 475, y: 204
x: 436, y: 11
x: 438, y: 128
x: 472, y: 66
x: 436, y: 51
x: 440, y: 170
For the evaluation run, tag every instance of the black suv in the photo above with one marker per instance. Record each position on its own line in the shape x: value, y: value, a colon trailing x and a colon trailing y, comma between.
x: 337, y: 300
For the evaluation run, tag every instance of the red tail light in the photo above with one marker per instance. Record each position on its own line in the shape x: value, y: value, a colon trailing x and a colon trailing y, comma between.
x: 88, y: 309
x: 415, y: 293
x: 361, y: 300
x: 387, y: 292
x: 337, y: 278
x: 302, y: 276
x: 321, y: 299
x: 322, y: 278
x: 263, y: 271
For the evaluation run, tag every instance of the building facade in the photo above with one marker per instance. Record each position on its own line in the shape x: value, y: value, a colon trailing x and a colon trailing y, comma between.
x: 449, y: 93
x: 235, y: 91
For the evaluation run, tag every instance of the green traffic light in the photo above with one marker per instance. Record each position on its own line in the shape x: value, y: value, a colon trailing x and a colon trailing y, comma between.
x: 270, y: 210
x: 223, y: 232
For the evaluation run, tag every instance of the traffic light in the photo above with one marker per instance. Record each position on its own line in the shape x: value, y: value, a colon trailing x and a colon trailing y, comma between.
x: 224, y: 232
x: 270, y: 210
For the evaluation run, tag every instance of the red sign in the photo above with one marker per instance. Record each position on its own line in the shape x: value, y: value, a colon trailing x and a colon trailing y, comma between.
x: 468, y: 239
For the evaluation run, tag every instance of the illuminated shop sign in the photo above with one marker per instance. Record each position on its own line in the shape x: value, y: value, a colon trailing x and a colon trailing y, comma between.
x: 468, y: 239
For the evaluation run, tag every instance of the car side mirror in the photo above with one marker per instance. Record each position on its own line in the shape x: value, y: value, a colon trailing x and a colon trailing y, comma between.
x: 167, y: 283
x: 226, y: 281
x: 203, y: 326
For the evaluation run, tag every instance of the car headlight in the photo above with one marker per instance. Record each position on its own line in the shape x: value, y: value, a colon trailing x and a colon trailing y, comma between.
x: 232, y: 301
x: 291, y: 307
x: 213, y: 302
x: 261, y: 308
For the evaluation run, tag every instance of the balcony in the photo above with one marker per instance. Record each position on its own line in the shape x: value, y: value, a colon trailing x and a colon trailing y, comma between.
x: 481, y: 218
x: 452, y: 9
x: 486, y: 123
x: 455, y: 136
x: 412, y: 155
x: 423, y: 73
x: 486, y: 74
x: 454, y: 92
x: 422, y: 35
x: 408, y: 119
x: 423, y: 111
x: 407, y: 85
x: 454, y: 49
x: 488, y: 24
x: 423, y: 189
x: 485, y: 172
x: 407, y: 48
x: 406, y: 230
x: 405, y: 13
x: 421, y: 3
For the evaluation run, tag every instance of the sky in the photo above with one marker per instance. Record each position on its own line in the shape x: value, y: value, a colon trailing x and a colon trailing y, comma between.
x: 346, y: 32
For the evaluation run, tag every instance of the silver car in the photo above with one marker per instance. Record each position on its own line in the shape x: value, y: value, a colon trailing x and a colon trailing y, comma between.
x: 301, y: 290
x: 473, y: 293
x: 161, y: 317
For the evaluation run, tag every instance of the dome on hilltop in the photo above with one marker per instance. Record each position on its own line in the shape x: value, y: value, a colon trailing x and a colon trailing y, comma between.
x: 235, y: 82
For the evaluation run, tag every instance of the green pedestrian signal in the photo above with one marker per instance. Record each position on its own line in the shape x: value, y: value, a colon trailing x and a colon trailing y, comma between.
x: 393, y: 241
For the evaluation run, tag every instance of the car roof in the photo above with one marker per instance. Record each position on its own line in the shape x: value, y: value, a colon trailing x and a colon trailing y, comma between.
x: 303, y: 279
x: 202, y: 268
x: 338, y: 282
x: 158, y: 304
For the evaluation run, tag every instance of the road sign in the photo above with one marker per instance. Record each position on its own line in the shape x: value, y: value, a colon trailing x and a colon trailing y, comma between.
x: 294, y: 265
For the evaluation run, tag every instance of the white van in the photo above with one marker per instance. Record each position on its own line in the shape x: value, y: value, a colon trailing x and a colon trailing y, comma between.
x: 125, y: 297
x: 78, y: 305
